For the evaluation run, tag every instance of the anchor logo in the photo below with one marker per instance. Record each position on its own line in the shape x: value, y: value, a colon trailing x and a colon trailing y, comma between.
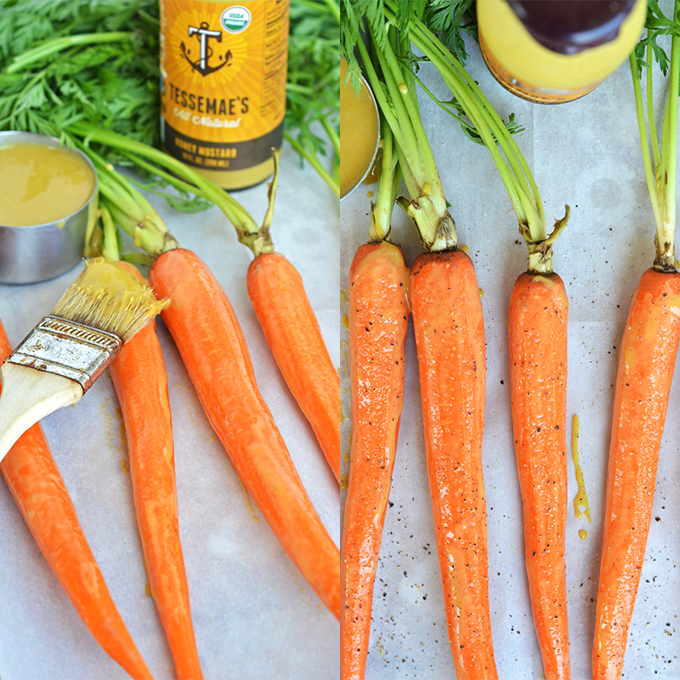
x: 204, y: 34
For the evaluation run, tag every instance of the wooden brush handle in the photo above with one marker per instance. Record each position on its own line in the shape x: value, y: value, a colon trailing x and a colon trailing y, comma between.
x: 27, y: 396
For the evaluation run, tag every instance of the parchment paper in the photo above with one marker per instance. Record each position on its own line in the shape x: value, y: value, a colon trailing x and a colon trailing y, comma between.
x: 585, y: 154
x: 254, y: 615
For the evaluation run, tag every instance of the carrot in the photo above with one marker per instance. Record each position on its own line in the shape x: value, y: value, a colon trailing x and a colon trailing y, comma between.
x: 538, y: 374
x: 141, y: 383
x: 292, y: 331
x: 646, y: 362
x: 212, y: 346
x: 39, y: 490
x: 449, y: 331
x: 378, y: 318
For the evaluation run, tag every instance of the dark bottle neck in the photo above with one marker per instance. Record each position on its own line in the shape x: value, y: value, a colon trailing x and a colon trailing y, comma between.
x: 571, y: 26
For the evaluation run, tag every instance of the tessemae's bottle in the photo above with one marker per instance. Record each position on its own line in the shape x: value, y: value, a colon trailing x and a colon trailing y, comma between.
x: 551, y: 51
x: 223, y: 86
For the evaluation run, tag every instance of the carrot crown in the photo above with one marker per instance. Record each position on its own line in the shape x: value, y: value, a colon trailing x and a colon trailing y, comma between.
x: 661, y: 165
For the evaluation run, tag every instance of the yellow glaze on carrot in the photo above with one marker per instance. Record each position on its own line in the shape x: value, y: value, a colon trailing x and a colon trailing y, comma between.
x: 378, y: 321
x: 212, y: 346
x: 643, y: 382
x: 292, y: 331
x: 141, y: 383
x: 449, y: 330
x: 39, y: 490
x: 538, y: 373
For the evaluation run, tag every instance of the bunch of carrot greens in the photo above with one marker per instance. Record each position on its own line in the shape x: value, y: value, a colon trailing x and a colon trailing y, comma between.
x: 76, y: 60
x: 646, y: 363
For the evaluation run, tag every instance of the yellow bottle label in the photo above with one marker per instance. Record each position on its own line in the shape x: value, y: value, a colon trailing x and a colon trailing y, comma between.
x: 223, y: 81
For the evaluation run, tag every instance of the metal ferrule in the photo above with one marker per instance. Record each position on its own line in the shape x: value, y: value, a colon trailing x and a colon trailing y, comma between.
x: 67, y: 348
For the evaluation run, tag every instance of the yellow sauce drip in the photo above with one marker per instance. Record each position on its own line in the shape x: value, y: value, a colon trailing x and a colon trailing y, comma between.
x: 344, y: 320
x: 344, y: 479
x: 124, y: 465
x: 41, y: 184
x: 358, y: 132
x: 369, y: 194
x: 582, y: 534
x: 581, y: 506
x: 249, y: 503
x: 465, y: 249
x: 374, y: 172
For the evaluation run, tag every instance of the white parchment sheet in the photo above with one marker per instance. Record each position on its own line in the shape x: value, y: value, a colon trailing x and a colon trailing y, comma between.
x: 585, y: 154
x: 254, y: 615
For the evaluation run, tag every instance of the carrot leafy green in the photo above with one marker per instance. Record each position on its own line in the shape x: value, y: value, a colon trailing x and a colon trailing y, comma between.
x: 67, y: 62
x: 661, y: 164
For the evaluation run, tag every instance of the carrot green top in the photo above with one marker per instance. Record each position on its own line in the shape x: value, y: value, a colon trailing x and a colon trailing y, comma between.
x: 389, y: 180
x: 661, y: 167
x: 133, y: 212
x: 391, y: 78
x: 422, y: 180
x: 148, y: 233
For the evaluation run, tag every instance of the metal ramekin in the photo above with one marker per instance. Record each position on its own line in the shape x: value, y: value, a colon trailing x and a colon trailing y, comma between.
x: 367, y: 169
x: 43, y: 251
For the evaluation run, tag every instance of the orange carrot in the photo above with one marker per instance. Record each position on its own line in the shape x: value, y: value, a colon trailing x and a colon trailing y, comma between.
x: 34, y: 481
x: 292, y: 331
x: 212, y: 346
x: 538, y: 373
x: 449, y: 330
x: 378, y: 317
x: 141, y: 383
x: 646, y: 362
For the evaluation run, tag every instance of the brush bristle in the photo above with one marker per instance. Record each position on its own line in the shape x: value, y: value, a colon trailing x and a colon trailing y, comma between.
x: 108, y: 298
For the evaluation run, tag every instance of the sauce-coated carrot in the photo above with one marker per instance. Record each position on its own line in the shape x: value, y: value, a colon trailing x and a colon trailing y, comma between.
x: 212, y: 346
x: 538, y: 373
x: 646, y: 362
x: 141, y: 383
x: 292, y: 331
x: 449, y: 330
x: 34, y: 480
x: 378, y: 318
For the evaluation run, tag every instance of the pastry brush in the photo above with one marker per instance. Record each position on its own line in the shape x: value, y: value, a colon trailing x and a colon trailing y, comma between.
x: 67, y: 351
